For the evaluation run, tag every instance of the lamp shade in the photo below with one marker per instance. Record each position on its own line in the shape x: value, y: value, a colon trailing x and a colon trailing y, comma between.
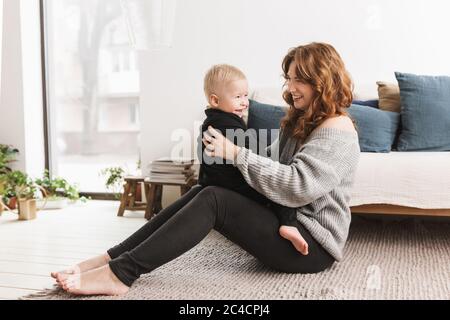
x: 150, y: 23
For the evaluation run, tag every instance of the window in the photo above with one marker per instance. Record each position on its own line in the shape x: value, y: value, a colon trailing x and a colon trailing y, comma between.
x: 134, y: 114
x: 93, y: 91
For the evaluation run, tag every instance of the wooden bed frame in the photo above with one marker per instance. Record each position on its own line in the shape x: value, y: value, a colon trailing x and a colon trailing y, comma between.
x: 399, y: 210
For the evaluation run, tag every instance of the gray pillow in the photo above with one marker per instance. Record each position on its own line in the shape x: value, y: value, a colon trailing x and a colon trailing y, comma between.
x: 425, y: 112
x: 263, y: 117
x: 376, y: 128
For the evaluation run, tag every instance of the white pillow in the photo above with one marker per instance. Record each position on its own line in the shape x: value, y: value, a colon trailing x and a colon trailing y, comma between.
x: 365, y: 92
x: 269, y: 95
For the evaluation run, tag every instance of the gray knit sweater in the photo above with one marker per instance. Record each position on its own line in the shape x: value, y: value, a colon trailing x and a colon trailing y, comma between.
x: 315, y: 179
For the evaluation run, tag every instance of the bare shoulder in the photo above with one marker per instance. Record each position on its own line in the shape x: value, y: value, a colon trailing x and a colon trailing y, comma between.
x: 343, y: 123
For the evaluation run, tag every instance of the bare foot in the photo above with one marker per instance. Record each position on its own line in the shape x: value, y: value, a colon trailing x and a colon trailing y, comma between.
x: 100, y: 281
x: 293, y: 235
x: 84, y: 266
x: 64, y: 273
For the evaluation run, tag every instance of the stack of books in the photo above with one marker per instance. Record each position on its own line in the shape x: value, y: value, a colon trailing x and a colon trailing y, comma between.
x: 167, y: 170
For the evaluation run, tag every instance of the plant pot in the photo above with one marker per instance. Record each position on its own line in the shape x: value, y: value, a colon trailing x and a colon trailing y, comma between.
x: 12, y: 204
x: 52, y: 204
x: 27, y: 209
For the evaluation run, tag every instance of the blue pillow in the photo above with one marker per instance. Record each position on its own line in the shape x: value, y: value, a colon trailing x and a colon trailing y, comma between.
x: 265, y: 116
x: 376, y: 128
x: 425, y: 112
x: 369, y: 103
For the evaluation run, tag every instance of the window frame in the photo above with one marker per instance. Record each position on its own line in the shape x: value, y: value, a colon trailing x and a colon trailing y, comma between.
x: 46, y: 107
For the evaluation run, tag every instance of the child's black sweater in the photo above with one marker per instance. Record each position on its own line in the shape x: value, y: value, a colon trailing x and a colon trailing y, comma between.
x: 219, y: 173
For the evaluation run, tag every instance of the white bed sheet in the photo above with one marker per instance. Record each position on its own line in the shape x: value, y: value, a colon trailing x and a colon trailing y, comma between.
x: 413, y: 179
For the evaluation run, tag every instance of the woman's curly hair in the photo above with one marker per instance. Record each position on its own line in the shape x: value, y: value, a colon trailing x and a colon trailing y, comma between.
x: 319, y: 65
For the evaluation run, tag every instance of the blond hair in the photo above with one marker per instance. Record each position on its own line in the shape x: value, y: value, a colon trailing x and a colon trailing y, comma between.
x: 218, y: 76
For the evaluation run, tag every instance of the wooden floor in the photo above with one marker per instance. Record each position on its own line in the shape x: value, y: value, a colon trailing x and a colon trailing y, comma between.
x: 30, y: 250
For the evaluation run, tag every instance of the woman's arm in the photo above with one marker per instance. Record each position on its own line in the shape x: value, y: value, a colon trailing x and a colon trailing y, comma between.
x: 316, y: 169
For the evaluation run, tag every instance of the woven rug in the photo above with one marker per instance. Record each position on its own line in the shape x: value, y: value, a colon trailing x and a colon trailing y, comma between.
x: 400, y: 259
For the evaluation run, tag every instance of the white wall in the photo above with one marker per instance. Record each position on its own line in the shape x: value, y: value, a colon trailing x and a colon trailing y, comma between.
x: 1, y: 36
x: 11, y: 107
x: 21, y: 111
x: 374, y: 37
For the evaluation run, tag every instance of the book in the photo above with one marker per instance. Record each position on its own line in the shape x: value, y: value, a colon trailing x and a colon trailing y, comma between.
x: 166, y: 180
x: 187, y: 173
x: 173, y: 161
x: 158, y: 168
x: 170, y: 179
x: 171, y: 170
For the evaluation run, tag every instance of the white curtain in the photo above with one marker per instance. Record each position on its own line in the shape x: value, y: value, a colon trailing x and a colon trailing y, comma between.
x: 150, y: 22
x: 1, y: 39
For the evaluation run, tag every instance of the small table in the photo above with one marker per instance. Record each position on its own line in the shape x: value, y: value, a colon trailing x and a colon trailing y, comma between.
x: 155, y: 191
x: 128, y: 200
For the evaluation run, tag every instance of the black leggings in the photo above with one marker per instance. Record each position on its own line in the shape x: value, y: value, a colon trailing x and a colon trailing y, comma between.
x: 182, y: 225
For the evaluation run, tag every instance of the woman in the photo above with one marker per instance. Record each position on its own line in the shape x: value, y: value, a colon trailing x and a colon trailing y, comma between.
x: 319, y: 153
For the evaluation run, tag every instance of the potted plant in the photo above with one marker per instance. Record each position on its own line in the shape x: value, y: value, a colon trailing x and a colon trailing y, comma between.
x: 17, y: 185
x: 7, y: 195
x: 7, y: 154
x: 114, y: 180
x: 3, y: 186
x: 8, y: 191
x: 58, y: 192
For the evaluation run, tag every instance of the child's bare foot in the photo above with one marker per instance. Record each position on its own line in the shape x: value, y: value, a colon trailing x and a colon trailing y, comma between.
x: 100, y: 281
x: 84, y: 266
x: 293, y: 235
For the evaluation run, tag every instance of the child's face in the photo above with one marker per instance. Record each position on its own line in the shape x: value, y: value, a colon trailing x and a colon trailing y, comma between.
x: 234, y: 97
x: 302, y: 93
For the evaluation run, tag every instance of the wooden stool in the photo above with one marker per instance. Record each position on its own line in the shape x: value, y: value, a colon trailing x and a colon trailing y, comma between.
x: 128, y: 199
x: 155, y: 191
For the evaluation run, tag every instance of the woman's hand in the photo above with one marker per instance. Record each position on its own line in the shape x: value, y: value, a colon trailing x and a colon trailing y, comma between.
x: 219, y: 146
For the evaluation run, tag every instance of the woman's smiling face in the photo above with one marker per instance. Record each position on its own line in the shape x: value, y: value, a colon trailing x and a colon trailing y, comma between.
x: 302, y: 92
